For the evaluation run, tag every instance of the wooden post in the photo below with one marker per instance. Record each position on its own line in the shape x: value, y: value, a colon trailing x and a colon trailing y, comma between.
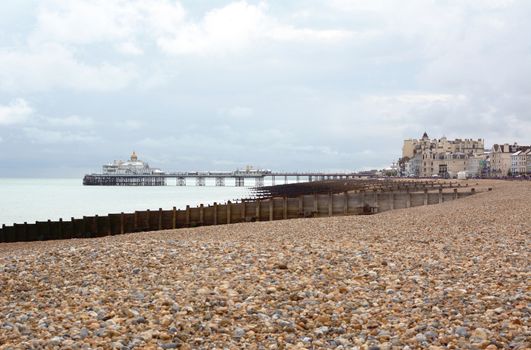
x: 301, y: 205
x: 376, y: 200
x: 455, y: 193
x: 408, y: 199
x: 392, y: 201
x: 49, y: 229
x: 258, y: 209
x: 271, y: 208
x: 285, y: 207
x: 26, y: 234
x: 187, y: 220
x: 122, y: 219
x: 61, y: 228
x: 135, y: 222
x: 174, y: 218
x: 95, y: 225
x: 330, y: 204
x: 215, y: 213
x: 316, y: 204
x: 160, y: 218
x: 345, y: 202
x: 148, y: 219
x: 73, y: 227
x: 201, y: 213
x: 362, y: 195
x: 440, y: 196
x: 426, y: 196
x: 243, y: 211
x: 228, y: 211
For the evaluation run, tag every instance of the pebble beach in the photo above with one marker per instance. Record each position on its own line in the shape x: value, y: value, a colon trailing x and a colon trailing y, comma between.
x: 454, y: 275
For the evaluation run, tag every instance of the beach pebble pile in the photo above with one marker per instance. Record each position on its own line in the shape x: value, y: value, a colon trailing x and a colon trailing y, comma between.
x: 449, y: 276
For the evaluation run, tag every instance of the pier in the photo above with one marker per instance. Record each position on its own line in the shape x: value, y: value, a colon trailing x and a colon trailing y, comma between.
x: 251, y: 178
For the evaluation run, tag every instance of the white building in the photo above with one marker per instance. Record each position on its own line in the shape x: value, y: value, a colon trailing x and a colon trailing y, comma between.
x: 133, y: 166
x: 519, y: 160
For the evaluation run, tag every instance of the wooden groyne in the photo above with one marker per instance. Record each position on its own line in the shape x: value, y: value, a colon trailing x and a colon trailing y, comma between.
x: 355, y: 202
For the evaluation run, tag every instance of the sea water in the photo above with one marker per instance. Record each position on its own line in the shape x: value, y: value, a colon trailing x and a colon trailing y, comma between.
x: 30, y: 200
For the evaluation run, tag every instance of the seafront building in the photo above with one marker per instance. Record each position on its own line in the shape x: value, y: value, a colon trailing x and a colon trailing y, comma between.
x: 427, y: 157
x: 510, y: 160
x: 133, y: 166
x: 520, y: 161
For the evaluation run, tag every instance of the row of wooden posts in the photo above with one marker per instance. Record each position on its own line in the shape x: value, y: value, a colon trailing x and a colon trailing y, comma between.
x: 314, y: 205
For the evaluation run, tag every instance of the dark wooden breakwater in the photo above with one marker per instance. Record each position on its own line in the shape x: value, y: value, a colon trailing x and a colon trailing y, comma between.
x: 369, y: 198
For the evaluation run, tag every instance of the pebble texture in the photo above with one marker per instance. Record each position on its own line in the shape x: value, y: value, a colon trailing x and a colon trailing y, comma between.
x: 448, y: 276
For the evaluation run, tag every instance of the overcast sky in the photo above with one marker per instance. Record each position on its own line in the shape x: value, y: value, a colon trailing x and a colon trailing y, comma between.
x: 284, y: 85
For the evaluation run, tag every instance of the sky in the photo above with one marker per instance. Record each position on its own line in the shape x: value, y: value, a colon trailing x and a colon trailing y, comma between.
x: 285, y: 85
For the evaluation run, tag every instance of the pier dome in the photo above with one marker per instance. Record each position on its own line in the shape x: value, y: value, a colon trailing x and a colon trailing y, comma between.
x: 134, y: 157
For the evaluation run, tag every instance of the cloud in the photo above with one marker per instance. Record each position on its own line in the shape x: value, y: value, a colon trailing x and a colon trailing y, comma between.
x: 239, y: 112
x: 237, y: 26
x: 51, y: 66
x: 71, y: 121
x: 18, y: 111
x: 45, y: 136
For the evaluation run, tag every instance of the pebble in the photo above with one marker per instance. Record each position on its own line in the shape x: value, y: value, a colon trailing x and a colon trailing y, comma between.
x: 446, y: 276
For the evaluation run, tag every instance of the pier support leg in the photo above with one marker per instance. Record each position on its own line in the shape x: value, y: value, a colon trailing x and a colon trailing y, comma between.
x: 259, y: 182
x: 200, y: 181
x: 181, y: 181
x: 220, y: 181
x: 239, y: 181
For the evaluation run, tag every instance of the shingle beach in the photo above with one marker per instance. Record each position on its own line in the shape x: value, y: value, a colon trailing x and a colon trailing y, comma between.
x: 449, y: 276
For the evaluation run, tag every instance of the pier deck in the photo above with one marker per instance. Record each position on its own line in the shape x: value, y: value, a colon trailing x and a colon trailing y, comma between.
x: 239, y: 178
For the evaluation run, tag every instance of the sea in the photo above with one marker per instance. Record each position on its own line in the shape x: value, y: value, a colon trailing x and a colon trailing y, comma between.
x: 30, y: 200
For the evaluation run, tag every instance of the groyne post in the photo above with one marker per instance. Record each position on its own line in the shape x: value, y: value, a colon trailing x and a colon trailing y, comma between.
x: 330, y: 204
x: 345, y: 202
x: 258, y: 209
x: 271, y: 208
x: 174, y: 218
